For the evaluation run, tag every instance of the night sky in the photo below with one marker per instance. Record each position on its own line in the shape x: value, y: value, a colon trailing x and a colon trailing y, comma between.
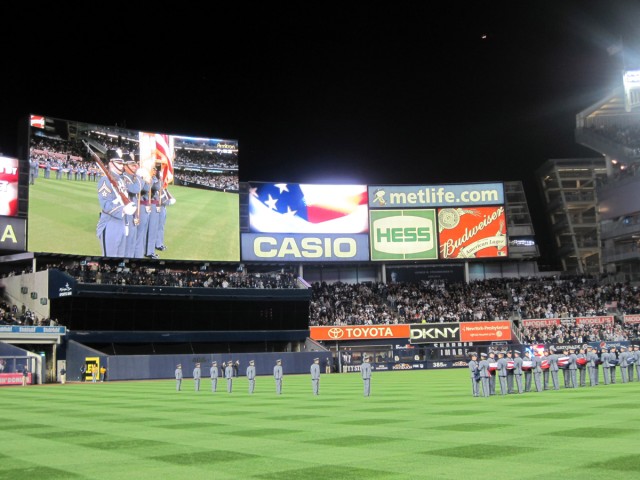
x: 331, y: 92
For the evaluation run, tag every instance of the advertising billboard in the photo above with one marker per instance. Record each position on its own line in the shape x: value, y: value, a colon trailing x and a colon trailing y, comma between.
x: 403, y: 234
x: 113, y: 192
x: 305, y: 223
x: 478, y: 232
x: 437, y: 222
x: 305, y: 208
x: 430, y: 196
x: 460, y: 332
x: 13, y: 234
x: 8, y: 186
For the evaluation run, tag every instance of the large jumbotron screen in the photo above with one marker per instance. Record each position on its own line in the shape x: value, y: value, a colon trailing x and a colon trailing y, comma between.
x: 165, y: 196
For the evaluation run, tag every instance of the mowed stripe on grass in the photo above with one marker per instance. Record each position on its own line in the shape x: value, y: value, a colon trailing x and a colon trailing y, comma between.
x: 416, y: 424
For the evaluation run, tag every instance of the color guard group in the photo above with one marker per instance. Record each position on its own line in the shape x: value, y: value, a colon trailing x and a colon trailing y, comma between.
x: 517, y: 373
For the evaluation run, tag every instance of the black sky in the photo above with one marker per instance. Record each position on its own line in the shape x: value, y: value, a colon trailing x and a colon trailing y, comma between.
x: 397, y: 93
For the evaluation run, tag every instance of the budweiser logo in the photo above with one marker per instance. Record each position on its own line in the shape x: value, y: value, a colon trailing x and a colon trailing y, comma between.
x: 471, y: 233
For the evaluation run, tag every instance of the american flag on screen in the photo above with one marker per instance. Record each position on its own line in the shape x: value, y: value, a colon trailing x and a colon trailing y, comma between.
x: 164, y: 155
x: 304, y: 208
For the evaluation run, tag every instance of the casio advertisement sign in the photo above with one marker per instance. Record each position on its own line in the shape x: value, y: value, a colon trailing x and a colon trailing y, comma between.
x: 434, y: 332
x: 300, y: 247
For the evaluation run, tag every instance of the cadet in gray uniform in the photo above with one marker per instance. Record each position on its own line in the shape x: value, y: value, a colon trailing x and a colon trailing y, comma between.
x: 545, y: 371
x: 178, y: 377
x: 528, y: 372
x: 213, y: 373
x: 566, y: 375
x: 624, y: 365
x: 197, y: 373
x: 475, y: 374
x: 34, y: 166
x: 517, y: 371
x: 592, y: 366
x: 483, y: 368
x: 510, y: 372
x: 572, y: 368
x: 277, y: 375
x: 315, y: 376
x: 553, y: 368
x: 613, y: 361
x: 536, y: 366
x: 134, y: 185
x: 365, y: 372
x: 228, y: 374
x: 606, y: 367
x: 582, y: 367
x: 492, y: 374
x: 111, y: 223
x: 631, y: 361
x: 251, y: 376
x: 502, y: 373
x: 636, y: 356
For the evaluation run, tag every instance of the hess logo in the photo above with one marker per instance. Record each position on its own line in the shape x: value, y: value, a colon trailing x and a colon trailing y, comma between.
x: 405, y: 234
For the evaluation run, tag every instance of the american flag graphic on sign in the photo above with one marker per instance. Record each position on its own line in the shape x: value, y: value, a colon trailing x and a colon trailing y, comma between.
x: 303, y: 208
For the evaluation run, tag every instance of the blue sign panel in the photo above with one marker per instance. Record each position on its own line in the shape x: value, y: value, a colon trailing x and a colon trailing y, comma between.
x: 414, y: 196
x: 284, y: 247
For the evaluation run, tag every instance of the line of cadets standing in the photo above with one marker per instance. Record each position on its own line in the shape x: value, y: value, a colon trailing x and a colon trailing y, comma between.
x: 574, y: 374
x: 230, y: 371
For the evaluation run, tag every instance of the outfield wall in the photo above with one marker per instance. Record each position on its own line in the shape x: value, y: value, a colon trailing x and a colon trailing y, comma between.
x: 152, y: 367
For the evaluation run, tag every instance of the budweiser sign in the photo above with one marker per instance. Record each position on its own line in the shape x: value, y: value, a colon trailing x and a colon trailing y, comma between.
x: 472, y: 232
x: 359, y: 332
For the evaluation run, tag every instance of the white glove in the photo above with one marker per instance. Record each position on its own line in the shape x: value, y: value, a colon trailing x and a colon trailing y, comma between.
x: 172, y: 201
x: 130, y: 208
x: 143, y: 174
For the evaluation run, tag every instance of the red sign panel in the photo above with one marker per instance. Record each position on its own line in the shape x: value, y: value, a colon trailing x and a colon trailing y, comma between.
x: 13, y: 379
x: 594, y: 320
x: 632, y: 319
x: 360, y: 332
x: 485, y: 331
x: 541, y: 322
x: 8, y: 186
x: 472, y: 232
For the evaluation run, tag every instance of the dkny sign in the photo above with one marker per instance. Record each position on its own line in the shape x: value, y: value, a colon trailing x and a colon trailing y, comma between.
x: 434, y: 332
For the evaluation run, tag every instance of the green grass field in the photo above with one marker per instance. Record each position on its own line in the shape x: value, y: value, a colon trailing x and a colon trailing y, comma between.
x: 201, y: 225
x: 416, y: 424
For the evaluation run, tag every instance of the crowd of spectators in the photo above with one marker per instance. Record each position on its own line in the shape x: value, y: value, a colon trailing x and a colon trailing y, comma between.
x: 564, y: 298
x: 211, y: 180
x: 375, y: 303
x: 11, y: 315
x: 626, y: 135
x: 68, y: 160
x: 579, y: 334
x: 109, y: 273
